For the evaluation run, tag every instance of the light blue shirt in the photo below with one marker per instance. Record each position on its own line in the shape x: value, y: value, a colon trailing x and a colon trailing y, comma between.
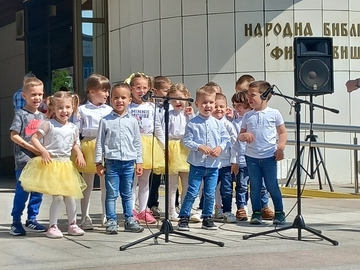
x: 118, y: 138
x: 205, y: 131
x: 239, y: 147
x: 229, y: 156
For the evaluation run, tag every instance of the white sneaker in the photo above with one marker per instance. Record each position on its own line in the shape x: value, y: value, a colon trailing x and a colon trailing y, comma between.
x: 229, y: 218
x: 173, y: 216
x: 103, y: 219
x: 218, y: 215
x: 86, y: 223
x: 196, y: 217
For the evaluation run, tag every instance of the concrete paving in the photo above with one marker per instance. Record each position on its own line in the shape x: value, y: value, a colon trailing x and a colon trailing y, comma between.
x: 338, y: 219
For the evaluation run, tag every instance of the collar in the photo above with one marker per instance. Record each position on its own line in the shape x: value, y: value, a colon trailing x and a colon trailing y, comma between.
x: 88, y: 104
x: 113, y: 113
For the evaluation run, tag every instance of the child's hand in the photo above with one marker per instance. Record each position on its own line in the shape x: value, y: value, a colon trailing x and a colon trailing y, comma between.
x: 279, y: 154
x: 80, y: 161
x: 205, y: 149
x: 216, y: 151
x: 229, y: 113
x: 100, y: 170
x: 139, y: 169
x: 235, y: 168
x: 46, y: 159
x: 189, y: 110
x: 246, y: 137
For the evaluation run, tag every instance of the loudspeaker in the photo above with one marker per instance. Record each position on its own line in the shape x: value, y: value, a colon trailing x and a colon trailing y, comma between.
x: 313, y: 66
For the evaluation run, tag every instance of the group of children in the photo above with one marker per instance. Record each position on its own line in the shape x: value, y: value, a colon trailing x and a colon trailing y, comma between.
x: 124, y: 144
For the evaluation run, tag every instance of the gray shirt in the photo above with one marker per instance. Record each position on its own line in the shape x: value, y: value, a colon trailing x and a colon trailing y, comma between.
x: 25, y: 123
x: 118, y: 138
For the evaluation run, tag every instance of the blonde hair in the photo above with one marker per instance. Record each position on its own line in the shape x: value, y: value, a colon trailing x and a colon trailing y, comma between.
x: 245, y: 78
x: 262, y: 86
x: 131, y: 79
x: 159, y: 80
x: 96, y: 82
x: 220, y: 96
x: 31, y: 82
x: 205, y: 90
x: 215, y: 86
x: 51, y: 102
x: 178, y: 87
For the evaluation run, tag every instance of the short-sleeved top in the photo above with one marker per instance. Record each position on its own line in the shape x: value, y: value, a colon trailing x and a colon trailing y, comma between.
x: 59, y: 139
x: 262, y: 124
x: 25, y: 123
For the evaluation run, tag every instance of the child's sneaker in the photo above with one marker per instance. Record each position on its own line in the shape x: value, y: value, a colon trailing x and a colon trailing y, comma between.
x: 146, y: 217
x: 155, y: 211
x: 196, y: 217
x: 229, y: 218
x: 32, y: 224
x: 54, y: 232
x: 279, y: 218
x: 208, y: 224
x: 17, y: 229
x: 75, y: 230
x: 241, y: 215
x: 267, y: 213
x: 103, y: 219
x: 218, y: 215
x: 183, y: 224
x: 256, y: 218
x: 86, y: 223
x: 131, y: 225
x: 135, y: 215
x: 111, y: 227
x: 173, y: 216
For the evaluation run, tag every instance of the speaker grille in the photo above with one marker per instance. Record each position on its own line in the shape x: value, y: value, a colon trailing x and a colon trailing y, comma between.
x: 314, y: 74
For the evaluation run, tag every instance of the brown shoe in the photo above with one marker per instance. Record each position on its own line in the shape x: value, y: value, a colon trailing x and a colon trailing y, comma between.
x: 241, y: 215
x: 267, y: 213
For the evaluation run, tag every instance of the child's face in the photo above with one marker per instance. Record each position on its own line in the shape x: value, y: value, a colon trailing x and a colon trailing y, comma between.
x: 162, y: 91
x: 220, y: 109
x: 99, y: 96
x: 205, y: 104
x: 63, y: 110
x: 178, y: 105
x: 120, y: 99
x: 255, y: 100
x: 140, y: 88
x: 240, y: 108
x: 33, y: 96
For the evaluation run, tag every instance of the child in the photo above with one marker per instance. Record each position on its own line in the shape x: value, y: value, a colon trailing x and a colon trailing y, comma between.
x: 54, y: 173
x: 87, y: 120
x: 243, y: 82
x: 241, y: 105
x: 206, y: 137
x: 258, y: 129
x: 153, y: 154
x: 178, y: 165
x: 119, y: 144
x: 223, y: 204
x: 161, y: 86
x: 24, y: 125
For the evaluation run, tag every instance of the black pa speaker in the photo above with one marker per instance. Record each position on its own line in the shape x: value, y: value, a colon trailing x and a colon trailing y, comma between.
x: 313, y: 71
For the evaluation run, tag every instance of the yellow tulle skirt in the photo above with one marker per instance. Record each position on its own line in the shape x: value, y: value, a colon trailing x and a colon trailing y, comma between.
x: 57, y: 178
x: 88, y: 150
x: 156, y: 160
x: 178, y: 154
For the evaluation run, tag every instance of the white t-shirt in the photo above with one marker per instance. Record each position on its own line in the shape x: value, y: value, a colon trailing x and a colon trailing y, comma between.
x: 262, y: 124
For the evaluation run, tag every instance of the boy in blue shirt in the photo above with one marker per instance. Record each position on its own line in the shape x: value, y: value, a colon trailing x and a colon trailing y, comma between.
x: 206, y: 137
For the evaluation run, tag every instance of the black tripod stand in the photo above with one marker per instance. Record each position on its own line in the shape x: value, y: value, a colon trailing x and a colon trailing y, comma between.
x: 298, y: 222
x: 315, y: 156
x: 166, y: 227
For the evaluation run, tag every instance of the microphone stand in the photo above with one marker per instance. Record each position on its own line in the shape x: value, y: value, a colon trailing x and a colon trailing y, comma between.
x: 298, y: 222
x: 167, y: 227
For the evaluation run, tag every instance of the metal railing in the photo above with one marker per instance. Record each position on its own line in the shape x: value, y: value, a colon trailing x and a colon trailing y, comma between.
x: 332, y: 128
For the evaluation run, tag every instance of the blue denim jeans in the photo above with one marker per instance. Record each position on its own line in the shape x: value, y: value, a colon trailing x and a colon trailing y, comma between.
x: 263, y: 168
x: 119, y: 176
x: 226, y: 188
x: 20, y: 198
x: 242, y: 193
x: 196, y: 176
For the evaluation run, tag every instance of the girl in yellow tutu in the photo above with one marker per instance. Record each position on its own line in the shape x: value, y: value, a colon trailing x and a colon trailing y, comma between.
x: 87, y: 120
x: 53, y: 172
x: 178, y: 166
x: 152, y: 148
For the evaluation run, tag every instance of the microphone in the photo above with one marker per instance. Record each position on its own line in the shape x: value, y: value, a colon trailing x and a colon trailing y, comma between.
x: 268, y: 91
x: 147, y: 96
